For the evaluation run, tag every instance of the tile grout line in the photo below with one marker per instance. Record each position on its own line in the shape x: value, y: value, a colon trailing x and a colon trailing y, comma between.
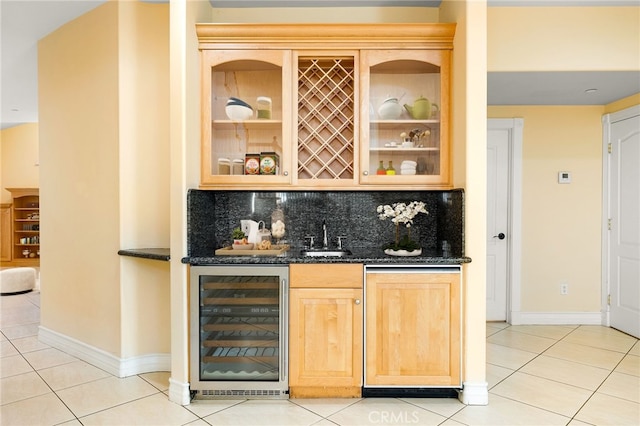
x: 518, y: 370
x: 39, y: 375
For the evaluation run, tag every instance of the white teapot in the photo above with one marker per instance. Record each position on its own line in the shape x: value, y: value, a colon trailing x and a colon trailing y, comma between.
x: 390, y: 109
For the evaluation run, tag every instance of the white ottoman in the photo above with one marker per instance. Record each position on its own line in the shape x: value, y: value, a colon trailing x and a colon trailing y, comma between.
x: 17, y: 280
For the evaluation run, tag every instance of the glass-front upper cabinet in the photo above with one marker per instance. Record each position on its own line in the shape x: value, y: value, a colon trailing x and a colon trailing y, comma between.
x: 405, y: 117
x: 246, y: 118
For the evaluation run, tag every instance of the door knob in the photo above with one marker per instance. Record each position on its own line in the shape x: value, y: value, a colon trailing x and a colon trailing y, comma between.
x: 500, y: 236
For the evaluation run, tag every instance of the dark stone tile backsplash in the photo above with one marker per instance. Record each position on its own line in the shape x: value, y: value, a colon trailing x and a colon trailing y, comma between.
x: 213, y: 214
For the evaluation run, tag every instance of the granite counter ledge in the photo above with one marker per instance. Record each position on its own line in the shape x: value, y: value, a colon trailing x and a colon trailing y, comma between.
x: 162, y: 254
x: 368, y: 256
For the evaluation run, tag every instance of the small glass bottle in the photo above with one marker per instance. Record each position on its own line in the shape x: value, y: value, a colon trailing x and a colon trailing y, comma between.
x: 390, y: 169
x: 381, y: 170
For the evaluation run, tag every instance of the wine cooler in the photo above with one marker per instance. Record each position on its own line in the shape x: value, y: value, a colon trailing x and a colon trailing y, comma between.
x: 239, y: 331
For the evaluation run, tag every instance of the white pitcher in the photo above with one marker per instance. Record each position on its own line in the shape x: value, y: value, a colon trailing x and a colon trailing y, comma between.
x: 250, y: 229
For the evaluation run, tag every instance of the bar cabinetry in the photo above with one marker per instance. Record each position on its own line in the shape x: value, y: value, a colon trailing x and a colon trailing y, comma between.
x: 327, y: 87
x: 413, y: 336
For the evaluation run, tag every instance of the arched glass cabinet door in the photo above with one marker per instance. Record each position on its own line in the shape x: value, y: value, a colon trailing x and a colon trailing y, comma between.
x: 246, y: 117
x: 405, y: 117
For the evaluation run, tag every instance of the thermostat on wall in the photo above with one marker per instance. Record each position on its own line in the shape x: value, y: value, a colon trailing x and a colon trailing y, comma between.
x: 564, y: 177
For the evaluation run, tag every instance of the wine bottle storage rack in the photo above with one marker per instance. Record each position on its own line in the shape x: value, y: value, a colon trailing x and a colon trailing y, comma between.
x: 326, y: 111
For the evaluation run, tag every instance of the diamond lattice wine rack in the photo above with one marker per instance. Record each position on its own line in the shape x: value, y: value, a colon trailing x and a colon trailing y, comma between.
x: 326, y: 111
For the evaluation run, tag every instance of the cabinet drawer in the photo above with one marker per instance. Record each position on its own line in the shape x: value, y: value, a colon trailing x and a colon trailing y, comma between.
x: 322, y: 275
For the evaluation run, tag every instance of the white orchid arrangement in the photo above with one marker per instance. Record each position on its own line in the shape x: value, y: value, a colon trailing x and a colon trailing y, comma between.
x: 402, y: 213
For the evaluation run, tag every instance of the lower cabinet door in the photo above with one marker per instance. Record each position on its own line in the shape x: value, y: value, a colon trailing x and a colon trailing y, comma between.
x: 325, y: 342
x: 412, y: 329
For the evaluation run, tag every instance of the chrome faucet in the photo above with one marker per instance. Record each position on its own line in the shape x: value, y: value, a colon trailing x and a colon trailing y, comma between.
x: 325, y: 243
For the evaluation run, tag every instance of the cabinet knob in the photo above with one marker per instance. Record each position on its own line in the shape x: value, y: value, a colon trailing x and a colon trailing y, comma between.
x: 357, y: 301
x: 366, y: 173
x: 286, y: 173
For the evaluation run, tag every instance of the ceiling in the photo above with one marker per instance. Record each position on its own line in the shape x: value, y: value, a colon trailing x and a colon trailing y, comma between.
x: 24, y: 22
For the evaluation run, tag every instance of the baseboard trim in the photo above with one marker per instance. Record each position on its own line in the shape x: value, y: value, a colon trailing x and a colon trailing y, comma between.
x: 120, y: 367
x: 556, y: 318
x: 474, y: 393
x: 179, y: 392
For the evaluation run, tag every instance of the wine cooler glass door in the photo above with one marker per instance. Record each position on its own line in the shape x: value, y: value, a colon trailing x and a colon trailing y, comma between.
x: 241, y: 325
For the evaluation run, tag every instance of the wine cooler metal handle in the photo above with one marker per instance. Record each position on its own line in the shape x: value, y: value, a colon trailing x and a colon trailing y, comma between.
x: 284, y: 331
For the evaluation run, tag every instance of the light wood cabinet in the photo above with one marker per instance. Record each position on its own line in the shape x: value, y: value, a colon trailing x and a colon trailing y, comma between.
x: 25, y: 212
x: 5, y: 233
x: 412, y: 329
x: 325, y: 330
x: 422, y: 142
x: 326, y: 83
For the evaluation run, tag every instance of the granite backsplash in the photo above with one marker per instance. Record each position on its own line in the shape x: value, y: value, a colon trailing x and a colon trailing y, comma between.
x: 213, y: 214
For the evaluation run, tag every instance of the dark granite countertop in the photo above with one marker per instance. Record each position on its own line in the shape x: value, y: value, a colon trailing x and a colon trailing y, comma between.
x: 360, y: 255
x: 147, y: 253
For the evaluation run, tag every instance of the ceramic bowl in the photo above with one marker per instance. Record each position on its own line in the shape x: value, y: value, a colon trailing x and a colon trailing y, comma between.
x: 237, y: 112
x: 237, y: 101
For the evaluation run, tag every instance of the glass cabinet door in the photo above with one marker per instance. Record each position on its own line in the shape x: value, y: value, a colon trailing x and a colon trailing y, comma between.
x: 404, y: 118
x: 246, y: 110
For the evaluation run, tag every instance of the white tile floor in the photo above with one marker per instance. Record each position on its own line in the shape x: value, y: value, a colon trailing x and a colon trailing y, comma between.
x: 538, y: 375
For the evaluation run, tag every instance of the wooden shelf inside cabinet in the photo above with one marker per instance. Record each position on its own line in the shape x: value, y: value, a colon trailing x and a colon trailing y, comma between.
x: 248, y: 124
x: 404, y: 150
x: 397, y: 124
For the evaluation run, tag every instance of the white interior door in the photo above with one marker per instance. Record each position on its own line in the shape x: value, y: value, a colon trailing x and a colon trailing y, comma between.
x: 624, y: 214
x: 498, y: 142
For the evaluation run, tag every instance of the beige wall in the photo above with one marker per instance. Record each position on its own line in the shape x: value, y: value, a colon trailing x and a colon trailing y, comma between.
x: 19, y: 159
x: 105, y: 178
x: 561, y: 223
x: 143, y: 34
x: 563, y: 38
x: 78, y: 69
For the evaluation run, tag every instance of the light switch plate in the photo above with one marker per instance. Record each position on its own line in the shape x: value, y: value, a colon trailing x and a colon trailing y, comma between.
x: 564, y: 177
